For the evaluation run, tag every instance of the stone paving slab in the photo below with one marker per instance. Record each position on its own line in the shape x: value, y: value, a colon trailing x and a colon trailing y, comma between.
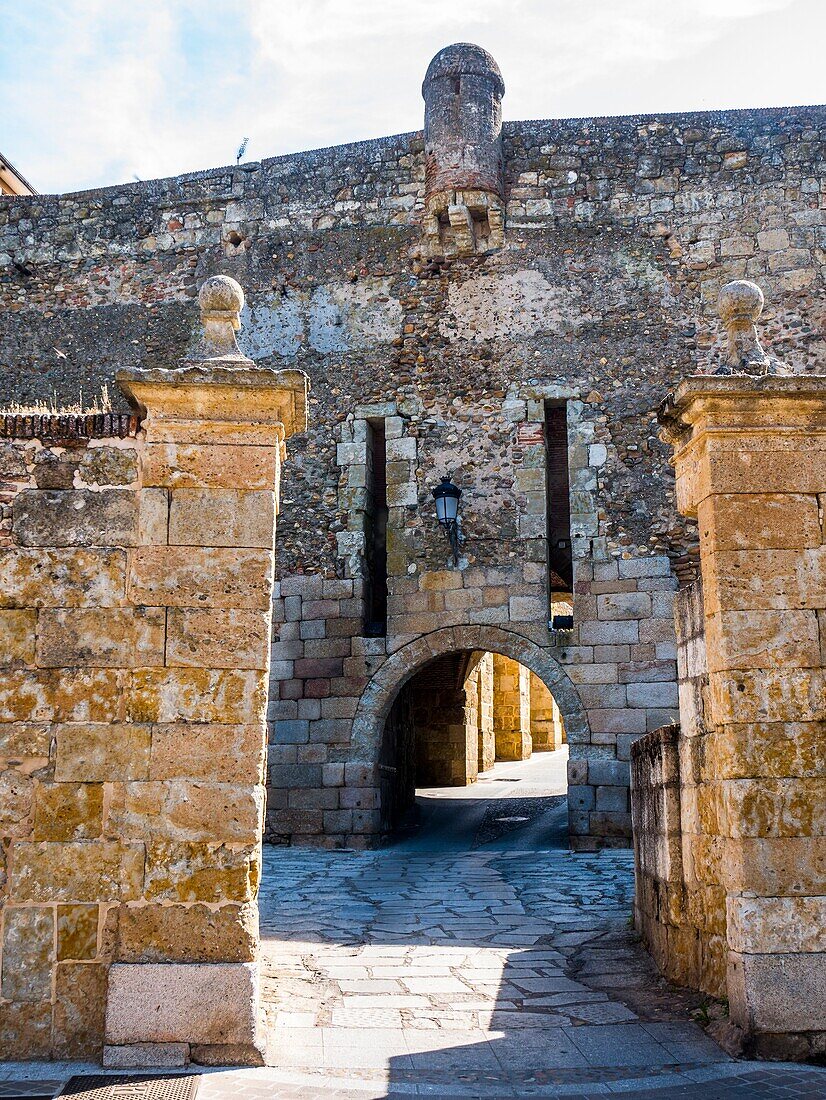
x: 466, y: 971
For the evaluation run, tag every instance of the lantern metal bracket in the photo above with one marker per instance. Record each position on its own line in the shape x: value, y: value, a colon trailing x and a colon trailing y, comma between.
x: 451, y: 527
x: 447, y: 496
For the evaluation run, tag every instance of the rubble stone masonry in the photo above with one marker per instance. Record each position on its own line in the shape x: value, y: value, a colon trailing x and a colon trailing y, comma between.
x: 616, y: 236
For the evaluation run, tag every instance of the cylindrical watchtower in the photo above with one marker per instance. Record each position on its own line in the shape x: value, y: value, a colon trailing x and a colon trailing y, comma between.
x: 463, y: 91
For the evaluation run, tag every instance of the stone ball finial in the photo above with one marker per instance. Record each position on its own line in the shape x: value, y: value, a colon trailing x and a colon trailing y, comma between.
x: 463, y: 59
x: 221, y: 300
x: 221, y: 295
x: 740, y: 300
x: 740, y: 304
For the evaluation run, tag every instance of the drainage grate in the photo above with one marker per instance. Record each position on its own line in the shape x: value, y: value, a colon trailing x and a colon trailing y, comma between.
x: 16, y: 1090
x: 133, y: 1086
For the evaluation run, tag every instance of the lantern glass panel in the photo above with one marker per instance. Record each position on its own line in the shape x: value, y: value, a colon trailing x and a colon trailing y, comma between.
x: 447, y: 508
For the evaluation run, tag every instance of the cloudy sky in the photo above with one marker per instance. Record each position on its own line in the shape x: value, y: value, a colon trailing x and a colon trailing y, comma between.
x: 102, y: 91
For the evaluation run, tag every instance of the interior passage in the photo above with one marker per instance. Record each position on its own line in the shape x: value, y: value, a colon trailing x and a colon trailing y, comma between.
x: 454, y: 720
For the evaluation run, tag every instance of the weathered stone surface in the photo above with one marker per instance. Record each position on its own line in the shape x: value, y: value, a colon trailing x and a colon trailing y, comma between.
x: 28, y: 954
x: 778, y: 992
x: 19, y: 739
x: 80, y: 999
x: 217, y: 638
x: 111, y: 638
x: 102, y: 752
x: 197, y: 695
x: 72, y: 695
x: 763, y: 639
x: 195, y: 466
x: 196, y: 1003
x: 180, y: 871
x: 77, y: 931
x: 777, y: 925
x: 25, y: 1029
x: 68, y: 811
x: 208, y: 812
x: 17, y: 794
x: 187, y: 933
x: 136, y: 1055
x: 87, y: 871
x: 106, y: 465
x: 767, y: 749
x: 747, y: 521
x: 743, y: 580
x: 62, y: 577
x: 221, y: 517
x: 75, y: 517
x: 205, y: 751
x: 17, y: 638
x: 179, y: 576
x: 769, y: 695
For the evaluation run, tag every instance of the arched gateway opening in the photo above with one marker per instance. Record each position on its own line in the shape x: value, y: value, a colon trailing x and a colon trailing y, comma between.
x: 444, y: 709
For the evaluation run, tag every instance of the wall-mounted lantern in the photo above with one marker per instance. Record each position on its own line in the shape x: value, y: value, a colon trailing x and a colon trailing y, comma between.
x: 447, y: 495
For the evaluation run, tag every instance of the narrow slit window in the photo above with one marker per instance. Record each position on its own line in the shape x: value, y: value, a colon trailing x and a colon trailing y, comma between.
x: 558, y: 512
x: 375, y: 617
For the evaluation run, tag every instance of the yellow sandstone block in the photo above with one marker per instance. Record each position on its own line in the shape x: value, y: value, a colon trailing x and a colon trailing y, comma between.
x: 739, y: 462
x: 68, y: 811
x: 102, y: 752
x: 197, y: 695
x: 17, y: 638
x: 187, y: 811
x: 184, y: 576
x: 77, y: 931
x: 80, y: 870
x: 60, y: 695
x: 80, y: 1007
x: 19, y: 740
x: 26, y: 696
x: 221, y: 517
x: 28, y: 953
x: 196, y: 466
x: 775, y: 807
x: 177, y: 871
x: 748, y: 521
x: 63, y: 577
x: 775, y: 865
x: 187, y: 933
x: 82, y: 695
x: 772, y: 750
x: 110, y: 638
x: 762, y: 639
x: 205, y: 751
x: 744, y: 580
x: 218, y: 638
x: 768, y: 695
x: 777, y: 925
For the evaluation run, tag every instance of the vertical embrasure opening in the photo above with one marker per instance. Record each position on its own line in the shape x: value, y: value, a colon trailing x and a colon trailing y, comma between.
x: 375, y: 613
x: 558, y: 512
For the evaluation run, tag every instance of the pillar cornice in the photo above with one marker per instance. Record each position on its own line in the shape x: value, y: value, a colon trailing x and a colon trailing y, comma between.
x: 723, y: 428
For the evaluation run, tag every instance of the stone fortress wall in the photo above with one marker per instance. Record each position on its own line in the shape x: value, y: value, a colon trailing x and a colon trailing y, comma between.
x: 455, y: 315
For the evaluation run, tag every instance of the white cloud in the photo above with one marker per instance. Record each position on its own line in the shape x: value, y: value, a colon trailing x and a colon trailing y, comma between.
x: 97, y: 90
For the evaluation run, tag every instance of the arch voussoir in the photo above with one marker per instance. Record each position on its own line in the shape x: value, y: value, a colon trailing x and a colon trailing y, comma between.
x: 377, y: 698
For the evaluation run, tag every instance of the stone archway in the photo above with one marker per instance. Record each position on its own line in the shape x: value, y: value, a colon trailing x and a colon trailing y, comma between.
x: 377, y: 698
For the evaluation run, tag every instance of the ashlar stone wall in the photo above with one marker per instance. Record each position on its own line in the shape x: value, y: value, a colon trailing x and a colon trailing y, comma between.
x: 136, y: 568
x: 743, y: 789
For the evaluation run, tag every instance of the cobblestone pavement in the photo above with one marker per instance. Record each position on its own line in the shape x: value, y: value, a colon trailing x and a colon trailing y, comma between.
x: 476, y: 958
